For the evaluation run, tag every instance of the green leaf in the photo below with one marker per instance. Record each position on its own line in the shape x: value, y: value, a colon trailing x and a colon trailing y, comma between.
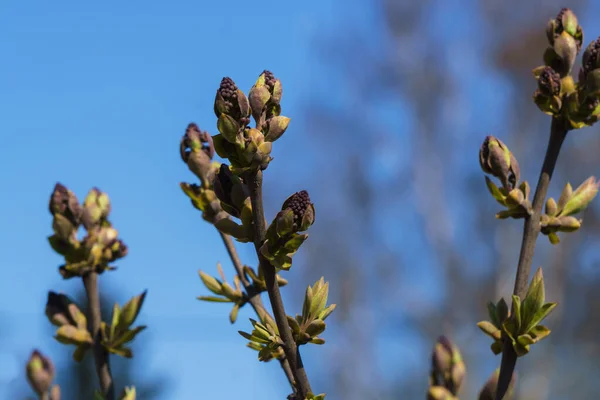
x: 492, y: 313
x: 539, y: 332
x: 327, y: 311
x: 229, y: 227
x: 294, y: 244
x: 121, y: 351
x: 98, y: 395
x: 212, y: 284
x: 234, y: 313
x: 116, y: 314
x: 553, y: 238
x: 79, y: 352
x: 489, y: 329
x: 495, y: 192
x: 214, y: 299
x: 127, y: 336
x: 525, y: 340
x: 516, y: 311
x: 541, y: 314
x: 534, y: 300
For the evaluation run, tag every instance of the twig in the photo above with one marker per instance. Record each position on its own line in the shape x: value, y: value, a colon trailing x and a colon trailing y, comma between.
x: 90, y: 281
x: 254, y: 183
x: 253, y: 297
x: 531, y: 230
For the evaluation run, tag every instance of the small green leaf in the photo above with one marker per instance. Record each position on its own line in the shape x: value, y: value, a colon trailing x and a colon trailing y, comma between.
x: 492, y: 313
x: 489, y: 329
x: 212, y: 284
x: 127, y: 336
x: 495, y: 191
x: 214, y: 299
x: 553, y: 238
x: 234, y: 313
x: 541, y: 314
x: 516, y: 311
x: 539, y: 332
x: 116, y: 314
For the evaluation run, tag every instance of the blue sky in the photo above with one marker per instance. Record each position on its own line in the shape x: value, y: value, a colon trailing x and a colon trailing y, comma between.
x: 99, y: 94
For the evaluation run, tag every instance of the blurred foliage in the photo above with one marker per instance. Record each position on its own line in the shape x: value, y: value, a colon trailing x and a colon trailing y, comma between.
x: 406, y: 107
x: 79, y: 380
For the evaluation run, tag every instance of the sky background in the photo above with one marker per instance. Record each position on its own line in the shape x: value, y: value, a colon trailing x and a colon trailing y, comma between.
x: 100, y: 95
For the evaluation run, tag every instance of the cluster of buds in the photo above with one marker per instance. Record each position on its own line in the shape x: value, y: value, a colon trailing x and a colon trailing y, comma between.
x: 115, y: 336
x: 283, y: 238
x: 40, y: 374
x: 307, y: 327
x: 584, y: 103
x: 522, y: 325
x: 72, y: 323
x: 447, y: 371
x: 555, y: 84
x: 565, y: 38
x: 101, y: 245
x: 247, y: 148
x: 497, y: 160
x: 559, y: 217
x: 488, y: 391
x: 557, y: 93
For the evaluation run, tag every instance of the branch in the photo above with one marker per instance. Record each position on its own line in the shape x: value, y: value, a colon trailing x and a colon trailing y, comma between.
x: 291, y: 351
x: 253, y: 297
x: 531, y: 229
x: 90, y: 281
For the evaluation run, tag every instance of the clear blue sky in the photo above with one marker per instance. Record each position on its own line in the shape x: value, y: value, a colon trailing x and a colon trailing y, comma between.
x: 99, y: 94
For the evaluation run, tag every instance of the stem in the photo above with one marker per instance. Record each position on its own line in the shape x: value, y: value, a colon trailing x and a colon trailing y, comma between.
x: 90, y: 281
x: 291, y: 351
x: 253, y: 296
x: 531, y: 230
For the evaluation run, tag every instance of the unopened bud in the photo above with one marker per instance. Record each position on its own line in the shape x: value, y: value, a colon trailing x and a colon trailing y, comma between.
x: 549, y: 82
x: 197, y: 150
x: 40, y: 372
x: 497, y: 160
x: 96, y: 208
x: 65, y: 203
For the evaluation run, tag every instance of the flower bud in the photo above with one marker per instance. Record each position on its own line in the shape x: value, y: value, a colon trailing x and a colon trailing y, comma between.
x: 565, y: 21
x: 549, y: 82
x: 265, y: 97
x: 497, y: 160
x: 40, y: 372
x: 197, y: 150
x: 231, y: 101
x: 64, y: 202
x: 96, y: 208
x: 303, y: 209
